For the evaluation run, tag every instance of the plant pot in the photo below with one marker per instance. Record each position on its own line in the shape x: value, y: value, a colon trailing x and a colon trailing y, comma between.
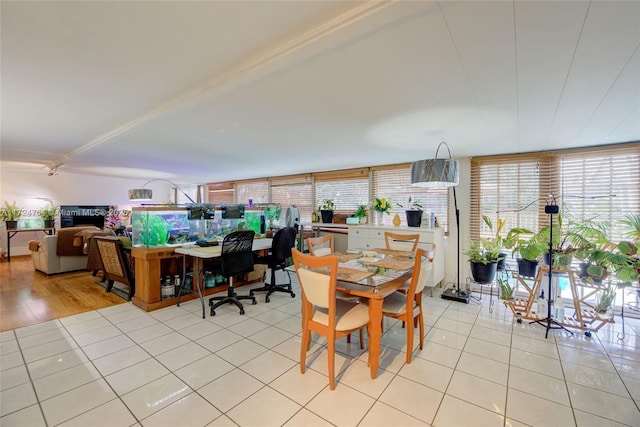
x: 327, y: 216
x: 11, y: 225
x: 560, y: 260
x: 49, y: 223
x: 503, y: 257
x: 483, y: 273
x: 414, y: 218
x: 527, y: 268
x: 585, y: 274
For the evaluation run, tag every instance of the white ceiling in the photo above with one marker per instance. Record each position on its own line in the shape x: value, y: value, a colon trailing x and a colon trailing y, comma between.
x: 217, y: 90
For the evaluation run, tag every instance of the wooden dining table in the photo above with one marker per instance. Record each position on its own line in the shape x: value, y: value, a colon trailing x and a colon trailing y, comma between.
x: 379, y: 286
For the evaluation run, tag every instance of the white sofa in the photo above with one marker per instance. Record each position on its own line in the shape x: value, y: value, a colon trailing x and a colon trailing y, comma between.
x: 44, y: 254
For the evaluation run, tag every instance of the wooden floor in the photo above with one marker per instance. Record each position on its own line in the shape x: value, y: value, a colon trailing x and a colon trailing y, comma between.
x: 28, y: 296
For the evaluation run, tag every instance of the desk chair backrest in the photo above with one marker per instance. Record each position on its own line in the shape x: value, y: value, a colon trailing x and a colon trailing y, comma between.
x: 237, y: 253
x: 321, y: 246
x: 401, y: 242
x: 283, y: 241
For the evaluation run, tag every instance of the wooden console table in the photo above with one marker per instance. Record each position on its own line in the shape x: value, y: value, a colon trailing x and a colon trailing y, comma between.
x: 11, y: 233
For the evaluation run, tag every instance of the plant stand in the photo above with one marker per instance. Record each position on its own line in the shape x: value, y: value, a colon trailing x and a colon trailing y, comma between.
x: 584, y: 318
x: 478, y: 300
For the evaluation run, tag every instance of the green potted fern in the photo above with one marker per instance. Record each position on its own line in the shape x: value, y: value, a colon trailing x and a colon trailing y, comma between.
x: 48, y: 215
x: 10, y: 213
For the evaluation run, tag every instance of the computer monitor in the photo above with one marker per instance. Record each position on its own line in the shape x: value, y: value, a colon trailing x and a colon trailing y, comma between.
x: 232, y: 211
x: 202, y: 211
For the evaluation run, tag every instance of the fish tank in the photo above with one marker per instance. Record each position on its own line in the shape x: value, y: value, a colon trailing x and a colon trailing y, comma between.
x: 165, y: 226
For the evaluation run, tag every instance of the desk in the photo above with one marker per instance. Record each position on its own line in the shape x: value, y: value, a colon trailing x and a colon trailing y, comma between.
x: 375, y: 296
x: 11, y: 233
x: 198, y: 253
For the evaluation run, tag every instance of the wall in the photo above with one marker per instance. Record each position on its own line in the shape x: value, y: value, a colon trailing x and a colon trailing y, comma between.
x: 66, y: 189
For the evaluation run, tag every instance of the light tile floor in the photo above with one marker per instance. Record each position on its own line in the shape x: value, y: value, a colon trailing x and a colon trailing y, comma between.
x: 120, y: 366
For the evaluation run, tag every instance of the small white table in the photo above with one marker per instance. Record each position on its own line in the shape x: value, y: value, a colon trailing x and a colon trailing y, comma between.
x: 202, y: 253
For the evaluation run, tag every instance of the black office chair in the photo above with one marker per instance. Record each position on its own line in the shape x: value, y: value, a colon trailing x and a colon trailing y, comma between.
x: 236, y: 258
x: 283, y: 241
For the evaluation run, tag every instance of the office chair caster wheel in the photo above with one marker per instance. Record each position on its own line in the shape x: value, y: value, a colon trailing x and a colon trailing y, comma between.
x: 519, y: 320
x: 587, y: 334
x: 241, y: 312
x: 267, y: 299
x: 293, y: 295
x: 254, y: 302
x: 213, y: 313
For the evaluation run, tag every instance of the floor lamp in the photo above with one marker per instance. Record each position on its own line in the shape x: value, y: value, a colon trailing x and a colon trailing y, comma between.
x: 141, y: 194
x: 442, y: 173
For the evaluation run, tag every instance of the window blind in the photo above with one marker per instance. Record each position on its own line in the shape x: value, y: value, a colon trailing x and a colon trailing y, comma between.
x: 293, y: 190
x: 347, y: 189
x: 601, y: 183
x: 256, y: 190
x: 221, y: 193
x: 394, y: 183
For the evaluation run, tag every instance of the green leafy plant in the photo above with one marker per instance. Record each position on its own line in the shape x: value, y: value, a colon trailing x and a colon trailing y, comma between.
x: 10, y: 212
x: 328, y: 205
x: 482, y: 251
x: 361, y: 212
x: 154, y: 230
x: 529, y: 249
x: 506, y: 290
x: 605, y: 299
x: 48, y: 213
x: 412, y: 205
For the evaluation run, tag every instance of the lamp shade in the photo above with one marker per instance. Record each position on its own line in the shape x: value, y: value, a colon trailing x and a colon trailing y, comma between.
x: 435, y: 173
x: 139, y: 194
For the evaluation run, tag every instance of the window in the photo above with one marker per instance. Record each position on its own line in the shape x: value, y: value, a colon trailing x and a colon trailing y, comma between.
x: 394, y: 183
x: 347, y: 189
x: 256, y: 190
x: 602, y: 183
x: 221, y: 193
x: 293, y: 190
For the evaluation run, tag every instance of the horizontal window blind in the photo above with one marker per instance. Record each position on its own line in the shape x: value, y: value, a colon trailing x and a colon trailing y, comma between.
x: 221, y: 192
x: 293, y: 190
x: 394, y: 183
x: 256, y: 190
x: 347, y: 193
x: 601, y: 183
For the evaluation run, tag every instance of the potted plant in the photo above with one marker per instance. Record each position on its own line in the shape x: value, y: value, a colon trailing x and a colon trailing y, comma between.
x: 498, y: 241
x: 413, y: 212
x: 326, y: 211
x: 604, y: 302
x: 10, y: 213
x: 526, y: 251
x: 48, y: 214
x: 361, y: 213
x: 381, y: 205
x: 483, y: 255
x: 506, y: 290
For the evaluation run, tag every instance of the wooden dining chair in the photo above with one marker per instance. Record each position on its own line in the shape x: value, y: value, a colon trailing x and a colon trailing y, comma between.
x: 322, y: 312
x: 407, y: 306
x: 321, y: 246
x: 401, y: 242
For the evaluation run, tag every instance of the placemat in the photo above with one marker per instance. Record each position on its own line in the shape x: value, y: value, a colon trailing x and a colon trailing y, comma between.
x: 345, y: 257
x: 345, y: 274
x: 395, y: 263
x: 394, y: 252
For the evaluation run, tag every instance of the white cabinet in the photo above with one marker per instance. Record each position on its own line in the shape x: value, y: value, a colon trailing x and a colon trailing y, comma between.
x: 371, y: 237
